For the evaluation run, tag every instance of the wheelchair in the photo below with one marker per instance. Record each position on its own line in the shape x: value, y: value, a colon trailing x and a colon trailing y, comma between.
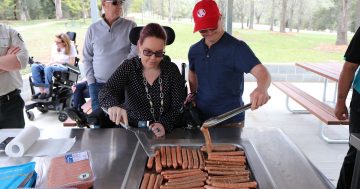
x: 60, y: 91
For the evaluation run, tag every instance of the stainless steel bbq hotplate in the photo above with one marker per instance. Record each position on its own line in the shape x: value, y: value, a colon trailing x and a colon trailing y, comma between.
x: 258, y: 171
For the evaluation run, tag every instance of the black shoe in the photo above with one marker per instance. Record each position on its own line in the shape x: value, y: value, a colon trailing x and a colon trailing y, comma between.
x: 77, y: 116
x: 35, y: 96
x: 44, y: 96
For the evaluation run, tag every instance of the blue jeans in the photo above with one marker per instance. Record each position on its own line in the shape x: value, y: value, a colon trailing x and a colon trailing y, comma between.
x: 94, y: 90
x: 81, y: 92
x: 42, y: 74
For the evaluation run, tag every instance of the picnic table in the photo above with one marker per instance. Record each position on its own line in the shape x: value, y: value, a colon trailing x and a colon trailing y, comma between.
x: 320, y: 109
x: 330, y: 71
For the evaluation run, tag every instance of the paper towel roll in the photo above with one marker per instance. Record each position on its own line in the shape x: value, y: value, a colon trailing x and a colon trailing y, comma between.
x: 22, y: 142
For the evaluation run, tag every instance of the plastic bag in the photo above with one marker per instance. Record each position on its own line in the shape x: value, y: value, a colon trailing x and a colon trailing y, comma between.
x: 191, y: 116
x: 19, y: 176
x: 70, y: 170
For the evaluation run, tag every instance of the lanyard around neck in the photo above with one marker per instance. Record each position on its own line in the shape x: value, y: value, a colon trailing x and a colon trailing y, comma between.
x: 148, y: 96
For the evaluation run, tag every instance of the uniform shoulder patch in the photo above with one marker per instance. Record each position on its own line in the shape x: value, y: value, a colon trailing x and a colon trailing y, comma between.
x: 19, y: 36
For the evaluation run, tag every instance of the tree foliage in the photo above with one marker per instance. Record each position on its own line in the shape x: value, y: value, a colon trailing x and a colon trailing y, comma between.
x: 325, y: 19
x: 300, y: 14
x: 7, y: 8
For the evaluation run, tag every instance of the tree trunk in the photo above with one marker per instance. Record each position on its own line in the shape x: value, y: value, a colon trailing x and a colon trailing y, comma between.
x: 58, y: 10
x: 272, y: 17
x: 22, y: 8
x: 162, y: 9
x: 310, y: 24
x: 171, y: 8
x: 27, y: 14
x: 283, y: 16
x: 258, y: 16
x: 341, y: 37
x: 242, y: 14
x: 301, y: 10
x: 292, y: 9
x: 252, y: 14
x: 84, y: 13
x: 15, y: 12
x: 357, y: 17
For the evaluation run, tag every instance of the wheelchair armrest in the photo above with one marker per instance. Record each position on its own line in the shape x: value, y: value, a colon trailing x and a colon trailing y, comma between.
x: 72, y: 68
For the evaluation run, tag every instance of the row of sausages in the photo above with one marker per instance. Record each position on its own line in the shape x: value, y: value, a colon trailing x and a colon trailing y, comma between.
x: 175, y: 179
x: 224, y: 167
x: 176, y: 157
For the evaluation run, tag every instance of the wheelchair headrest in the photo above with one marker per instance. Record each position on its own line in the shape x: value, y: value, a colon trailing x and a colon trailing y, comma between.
x: 135, y: 34
x: 72, y: 36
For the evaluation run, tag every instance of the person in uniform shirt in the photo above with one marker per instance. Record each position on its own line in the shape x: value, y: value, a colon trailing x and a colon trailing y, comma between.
x: 349, y: 78
x: 13, y: 57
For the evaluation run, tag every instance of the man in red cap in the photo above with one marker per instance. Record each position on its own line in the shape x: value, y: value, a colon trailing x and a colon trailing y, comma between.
x: 217, y: 66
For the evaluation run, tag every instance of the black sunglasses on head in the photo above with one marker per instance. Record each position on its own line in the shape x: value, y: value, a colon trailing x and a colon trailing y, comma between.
x: 115, y: 2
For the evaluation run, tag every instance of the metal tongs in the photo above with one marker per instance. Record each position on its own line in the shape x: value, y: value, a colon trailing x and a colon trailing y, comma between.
x: 227, y: 115
x: 141, y: 136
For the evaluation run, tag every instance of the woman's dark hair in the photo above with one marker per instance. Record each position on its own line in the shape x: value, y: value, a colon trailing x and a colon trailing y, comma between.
x: 152, y: 30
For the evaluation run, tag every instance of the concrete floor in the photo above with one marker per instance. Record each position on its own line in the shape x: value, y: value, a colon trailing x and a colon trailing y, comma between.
x: 302, y: 129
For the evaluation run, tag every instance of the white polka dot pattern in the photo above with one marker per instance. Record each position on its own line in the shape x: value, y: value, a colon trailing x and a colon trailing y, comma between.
x: 125, y: 89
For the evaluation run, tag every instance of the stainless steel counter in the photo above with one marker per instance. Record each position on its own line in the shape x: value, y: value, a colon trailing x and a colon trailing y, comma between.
x: 119, y: 160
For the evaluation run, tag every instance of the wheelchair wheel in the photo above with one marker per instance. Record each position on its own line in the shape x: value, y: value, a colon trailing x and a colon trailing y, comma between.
x: 62, y: 116
x: 30, y: 115
x: 43, y: 109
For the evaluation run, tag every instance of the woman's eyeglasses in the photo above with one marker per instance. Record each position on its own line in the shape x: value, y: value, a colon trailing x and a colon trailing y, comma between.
x: 115, y: 2
x: 158, y: 54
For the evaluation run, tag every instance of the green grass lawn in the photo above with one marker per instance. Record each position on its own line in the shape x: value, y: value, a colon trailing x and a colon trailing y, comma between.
x: 290, y: 47
x: 270, y: 47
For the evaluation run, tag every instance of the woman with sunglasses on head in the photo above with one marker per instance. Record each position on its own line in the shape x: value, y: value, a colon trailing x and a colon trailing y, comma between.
x: 151, y: 83
x: 63, y: 51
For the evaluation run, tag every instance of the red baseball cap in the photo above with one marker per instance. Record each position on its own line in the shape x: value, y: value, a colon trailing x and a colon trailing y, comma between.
x: 206, y: 15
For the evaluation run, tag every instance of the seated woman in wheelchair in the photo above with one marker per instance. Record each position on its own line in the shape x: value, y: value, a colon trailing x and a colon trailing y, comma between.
x: 63, y: 51
x: 152, y: 83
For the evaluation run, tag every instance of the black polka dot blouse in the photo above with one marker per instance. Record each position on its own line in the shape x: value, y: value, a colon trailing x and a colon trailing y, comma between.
x: 126, y: 89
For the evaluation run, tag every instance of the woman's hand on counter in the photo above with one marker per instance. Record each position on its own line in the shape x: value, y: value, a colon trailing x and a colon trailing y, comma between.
x: 158, y: 129
x: 117, y: 115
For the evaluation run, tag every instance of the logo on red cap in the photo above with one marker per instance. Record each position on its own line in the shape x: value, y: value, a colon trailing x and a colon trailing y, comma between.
x: 201, y: 13
x: 206, y: 14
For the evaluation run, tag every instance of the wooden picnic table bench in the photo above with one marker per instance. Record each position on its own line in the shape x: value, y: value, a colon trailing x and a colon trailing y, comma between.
x: 316, y: 107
